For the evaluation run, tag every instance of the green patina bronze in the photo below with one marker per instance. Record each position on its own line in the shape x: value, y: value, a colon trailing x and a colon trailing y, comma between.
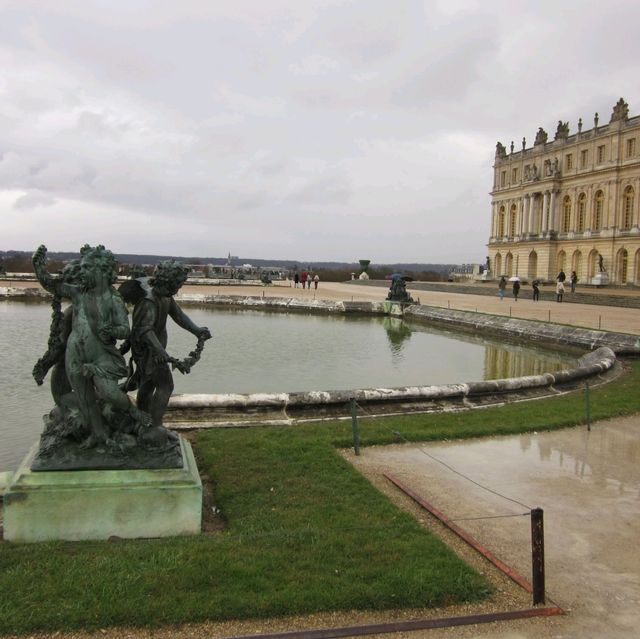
x: 94, y: 424
x: 398, y: 289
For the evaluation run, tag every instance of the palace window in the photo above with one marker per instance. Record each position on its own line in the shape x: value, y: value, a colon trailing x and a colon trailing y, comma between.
x: 627, y: 216
x: 501, y: 222
x: 601, y: 151
x: 503, y: 178
x: 631, y: 147
x: 582, y: 209
x: 566, y: 214
x: 597, y: 211
x: 514, y: 175
x: 569, y: 161
x: 513, y: 220
x: 584, y: 158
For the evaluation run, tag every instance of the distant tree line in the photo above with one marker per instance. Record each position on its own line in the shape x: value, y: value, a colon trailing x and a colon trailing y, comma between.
x: 379, y: 273
x: 21, y: 263
x: 137, y: 266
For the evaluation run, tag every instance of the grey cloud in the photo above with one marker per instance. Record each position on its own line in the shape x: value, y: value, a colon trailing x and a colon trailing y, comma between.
x: 322, y: 191
x: 33, y: 199
x: 198, y: 116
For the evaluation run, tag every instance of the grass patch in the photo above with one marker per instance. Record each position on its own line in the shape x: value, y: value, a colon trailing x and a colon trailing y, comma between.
x: 306, y: 532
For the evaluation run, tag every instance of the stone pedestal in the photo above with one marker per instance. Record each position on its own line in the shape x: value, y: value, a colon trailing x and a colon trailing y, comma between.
x: 393, y: 308
x: 98, y: 504
x: 600, y: 279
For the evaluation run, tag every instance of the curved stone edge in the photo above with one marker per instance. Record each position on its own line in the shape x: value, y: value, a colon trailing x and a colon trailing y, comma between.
x: 15, y: 292
x: 529, y: 330
x: 283, y: 303
x: 591, y: 364
x: 604, y: 346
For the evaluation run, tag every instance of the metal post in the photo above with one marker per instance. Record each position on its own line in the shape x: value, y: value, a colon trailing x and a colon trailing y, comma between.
x: 599, y: 322
x: 549, y: 314
x: 354, y: 427
x: 537, y: 555
x: 587, y: 404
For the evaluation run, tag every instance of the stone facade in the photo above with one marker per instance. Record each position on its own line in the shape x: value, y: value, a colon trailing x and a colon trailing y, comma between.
x: 570, y: 203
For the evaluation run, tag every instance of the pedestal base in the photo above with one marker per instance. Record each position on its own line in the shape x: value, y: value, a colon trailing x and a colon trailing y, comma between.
x: 98, y: 504
x: 600, y: 279
x: 393, y: 308
x: 396, y: 309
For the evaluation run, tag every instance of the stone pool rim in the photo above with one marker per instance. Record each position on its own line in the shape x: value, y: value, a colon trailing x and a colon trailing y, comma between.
x: 598, y: 364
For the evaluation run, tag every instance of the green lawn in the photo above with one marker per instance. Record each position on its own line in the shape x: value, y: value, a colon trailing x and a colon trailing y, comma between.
x: 305, y: 532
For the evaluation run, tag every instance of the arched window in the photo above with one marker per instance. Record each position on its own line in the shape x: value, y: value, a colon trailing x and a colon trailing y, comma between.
x: 627, y: 208
x: 576, y: 263
x: 597, y: 211
x: 497, y: 264
x: 582, y: 212
x: 512, y: 221
x: 566, y: 214
x: 593, y: 263
x: 623, y: 263
x: 501, y: 222
x: 508, y: 264
x: 533, y: 265
x: 561, y: 260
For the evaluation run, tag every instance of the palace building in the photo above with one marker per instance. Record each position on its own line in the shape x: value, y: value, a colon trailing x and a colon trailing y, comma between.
x: 570, y: 204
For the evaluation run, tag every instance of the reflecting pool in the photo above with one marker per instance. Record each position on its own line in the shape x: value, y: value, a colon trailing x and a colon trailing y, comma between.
x: 254, y: 351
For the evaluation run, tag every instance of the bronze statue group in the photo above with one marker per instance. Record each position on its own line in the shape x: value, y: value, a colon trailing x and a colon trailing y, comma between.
x: 90, y: 380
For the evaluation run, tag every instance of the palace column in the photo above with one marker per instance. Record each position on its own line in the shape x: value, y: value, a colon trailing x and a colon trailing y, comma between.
x: 532, y: 212
x: 526, y: 203
x: 493, y: 219
x: 636, y: 204
x: 553, y: 214
x: 545, y: 212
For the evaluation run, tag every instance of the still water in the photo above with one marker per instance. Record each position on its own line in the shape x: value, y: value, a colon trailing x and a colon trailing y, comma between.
x: 252, y: 351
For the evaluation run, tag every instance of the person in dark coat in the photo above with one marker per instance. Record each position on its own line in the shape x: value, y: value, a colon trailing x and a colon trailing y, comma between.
x: 536, y: 290
x: 574, y: 280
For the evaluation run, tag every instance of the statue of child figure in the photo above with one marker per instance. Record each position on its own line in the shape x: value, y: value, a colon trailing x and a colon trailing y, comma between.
x: 93, y: 364
x: 153, y: 304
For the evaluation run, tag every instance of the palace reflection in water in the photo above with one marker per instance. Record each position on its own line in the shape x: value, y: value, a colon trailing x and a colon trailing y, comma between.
x: 514, y: 362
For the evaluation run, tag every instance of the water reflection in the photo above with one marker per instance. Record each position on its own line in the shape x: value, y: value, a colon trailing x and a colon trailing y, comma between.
x: 606, y: 457
x: 398, y: 333
x: 512, y: 362
x: 253, y: 351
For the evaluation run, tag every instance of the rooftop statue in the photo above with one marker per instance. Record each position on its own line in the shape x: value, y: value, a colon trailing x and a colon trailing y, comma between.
x: 620, y: 111
x: 562, y: 131
x: 541, y: 136
x: 501, y: 151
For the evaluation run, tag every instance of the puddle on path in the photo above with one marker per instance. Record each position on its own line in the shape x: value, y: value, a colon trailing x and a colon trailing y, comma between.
x: 588, y: 484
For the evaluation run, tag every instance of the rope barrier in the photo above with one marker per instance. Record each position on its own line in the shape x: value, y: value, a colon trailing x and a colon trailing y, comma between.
x: 457, y: 472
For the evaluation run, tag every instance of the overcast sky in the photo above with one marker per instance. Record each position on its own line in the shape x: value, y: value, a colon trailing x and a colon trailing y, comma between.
x: 291, y: 129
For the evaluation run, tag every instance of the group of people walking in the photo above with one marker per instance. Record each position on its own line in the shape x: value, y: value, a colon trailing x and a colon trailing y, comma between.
x: 560, y: 280
x: 535, y: 285
x: 305, y: 279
